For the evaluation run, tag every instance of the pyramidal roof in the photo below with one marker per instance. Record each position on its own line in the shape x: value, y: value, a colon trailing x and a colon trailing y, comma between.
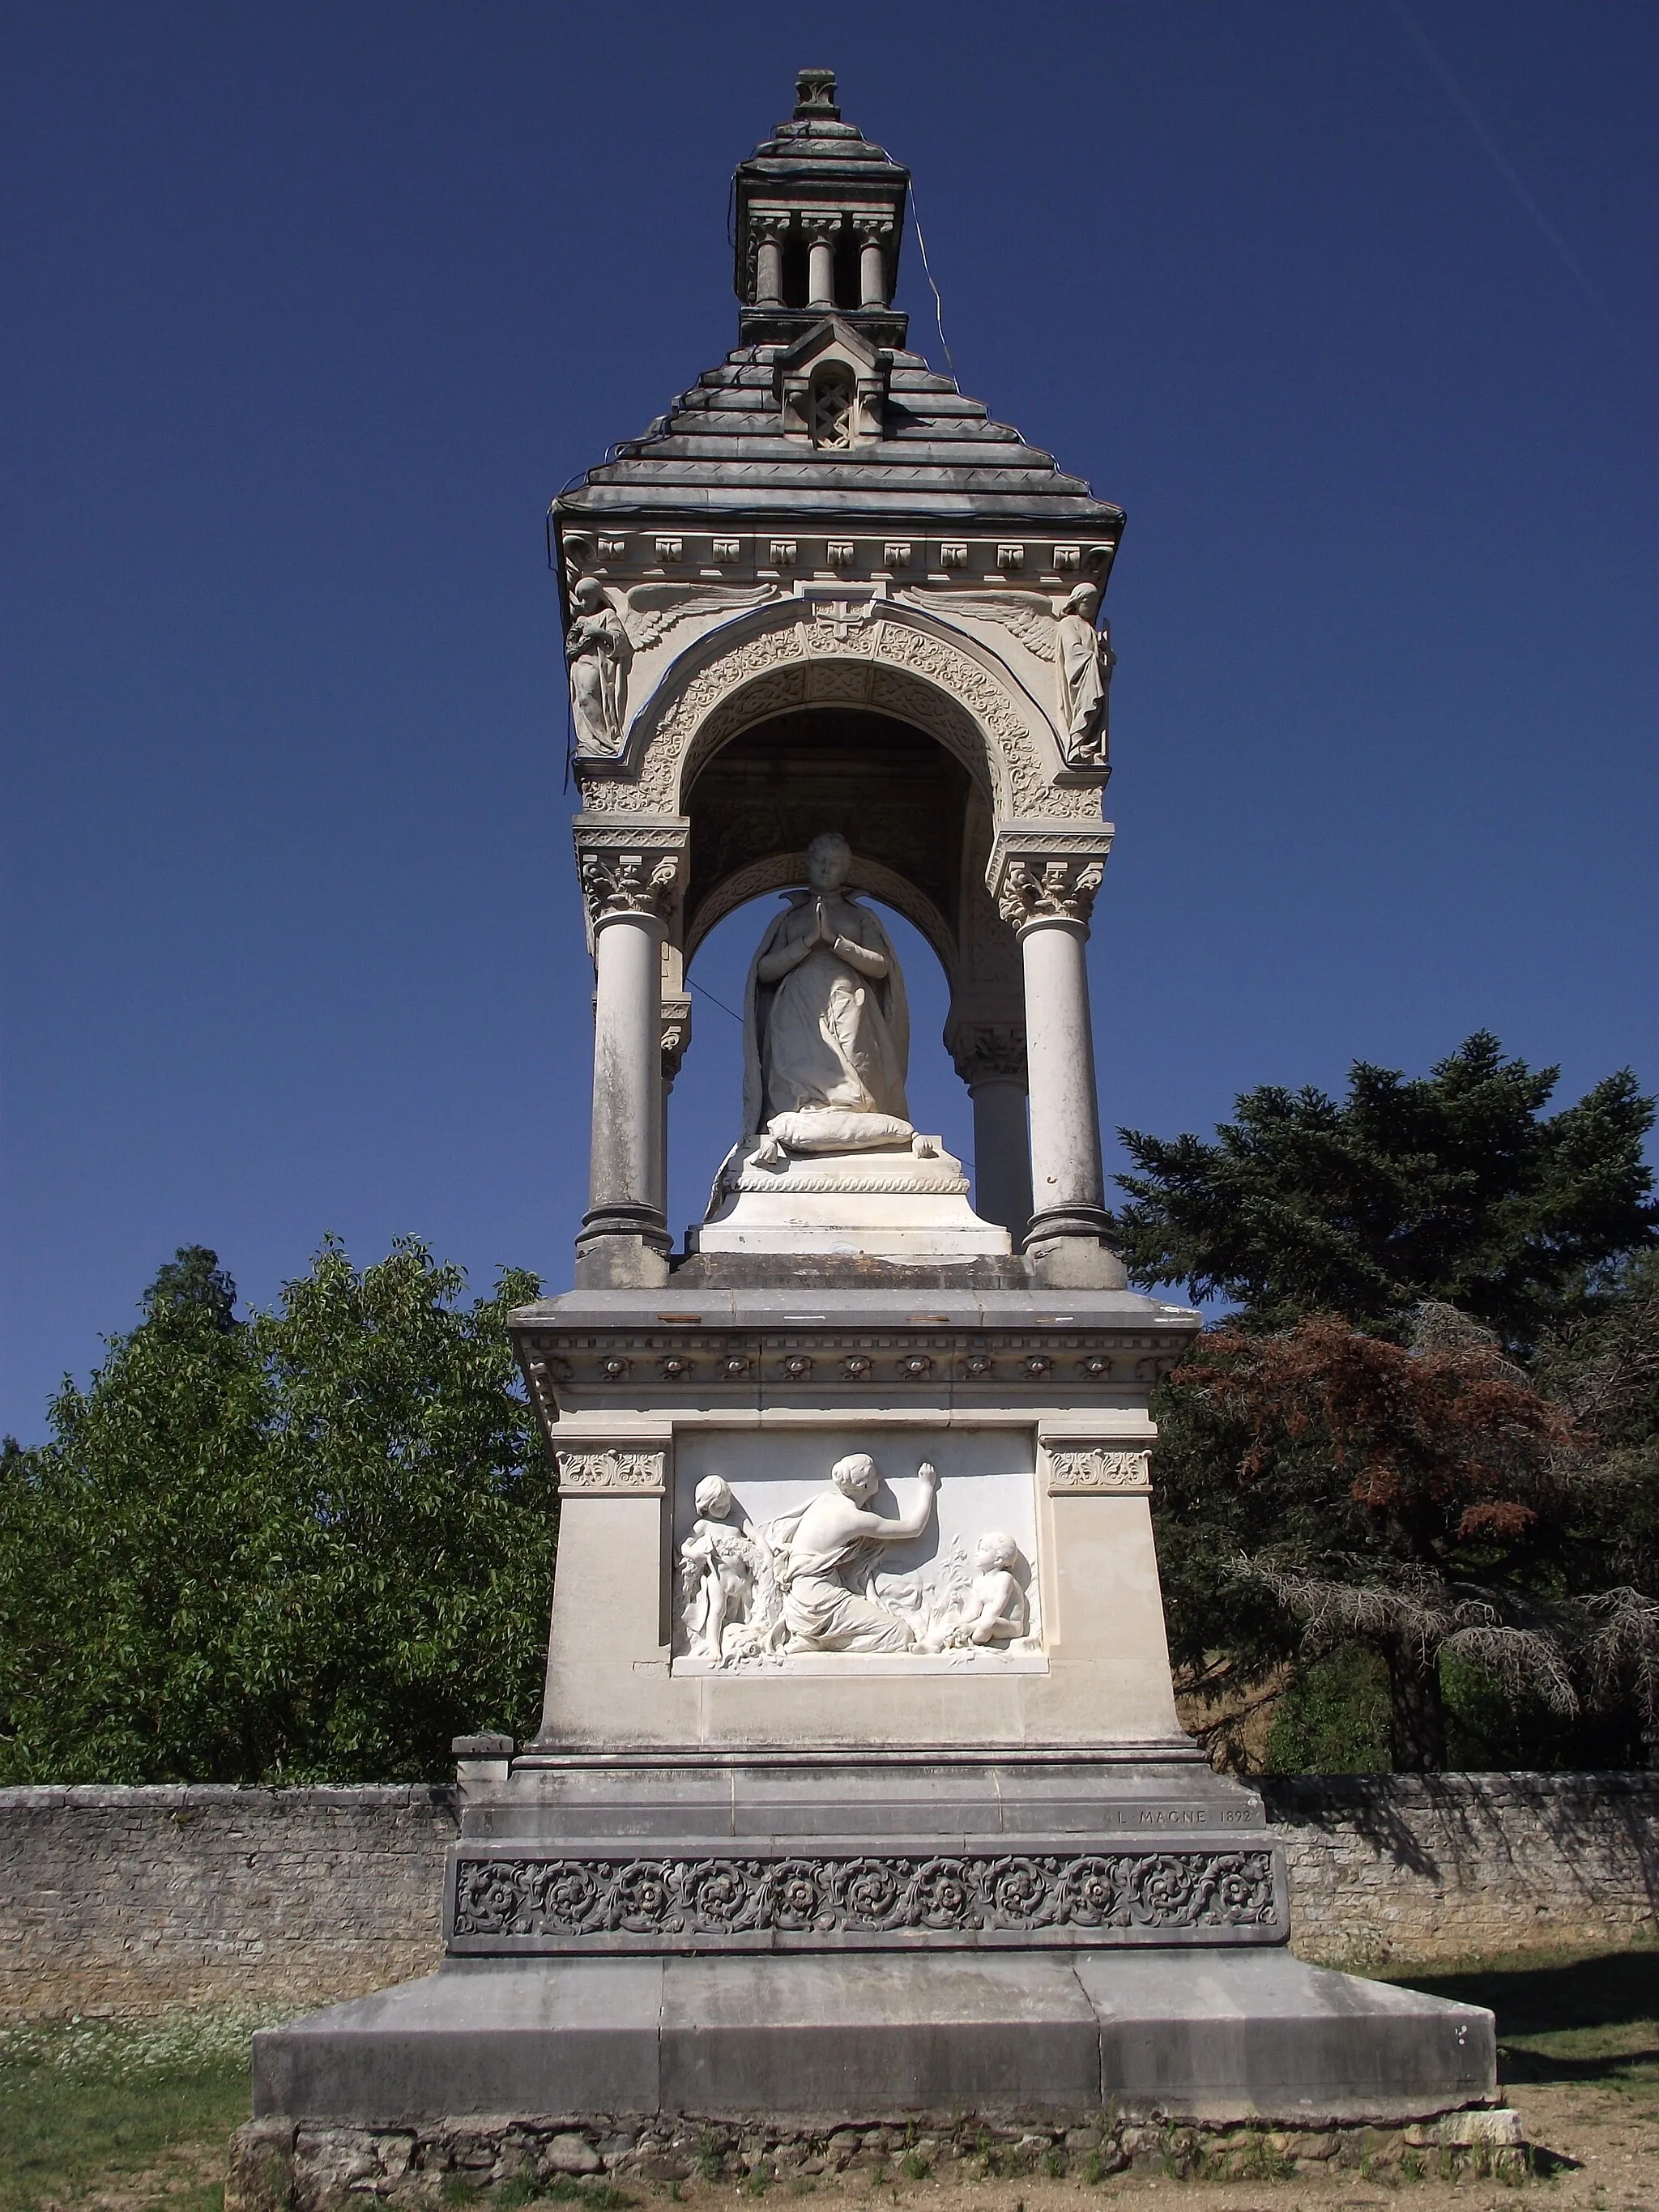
x: 731, y: 445
x: 720, y: 451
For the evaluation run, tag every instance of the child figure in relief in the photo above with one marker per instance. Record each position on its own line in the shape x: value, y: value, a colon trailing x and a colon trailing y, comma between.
x: 717, y: 1570
x: 999, y: 1613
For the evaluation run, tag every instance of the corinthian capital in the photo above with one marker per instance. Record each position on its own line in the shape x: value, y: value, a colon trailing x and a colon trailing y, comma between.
x: 1047, y: 871
x: 634, y: 867
x: 1048, y: 890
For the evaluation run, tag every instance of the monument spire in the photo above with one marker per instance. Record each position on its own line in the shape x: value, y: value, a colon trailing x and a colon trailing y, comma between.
x: 820, y: 218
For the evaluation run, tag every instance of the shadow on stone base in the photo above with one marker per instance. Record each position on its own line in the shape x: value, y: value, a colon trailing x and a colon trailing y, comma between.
x: 1204, y: 2036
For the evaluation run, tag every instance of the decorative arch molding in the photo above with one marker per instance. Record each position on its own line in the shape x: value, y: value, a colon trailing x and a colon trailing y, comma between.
x: 783, y: 871
x: 808, y: 652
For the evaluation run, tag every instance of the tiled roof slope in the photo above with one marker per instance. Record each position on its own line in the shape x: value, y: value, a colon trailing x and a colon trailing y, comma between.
x: 719, y: 450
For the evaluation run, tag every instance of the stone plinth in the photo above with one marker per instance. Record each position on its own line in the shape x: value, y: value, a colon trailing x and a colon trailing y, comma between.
x: 799, y: 1882
x: 887, y: 1204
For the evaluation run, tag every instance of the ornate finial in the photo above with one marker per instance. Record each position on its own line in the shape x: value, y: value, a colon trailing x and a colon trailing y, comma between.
x: 815, y: 96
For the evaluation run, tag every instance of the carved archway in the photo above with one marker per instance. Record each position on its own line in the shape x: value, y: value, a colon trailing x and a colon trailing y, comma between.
x: 899, y: 797
x: 800, y: 652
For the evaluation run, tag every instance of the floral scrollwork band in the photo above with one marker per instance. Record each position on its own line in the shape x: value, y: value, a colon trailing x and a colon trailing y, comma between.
x: 1098, y: 1467
x: 635, y: 1473
x: 1085, y: 1898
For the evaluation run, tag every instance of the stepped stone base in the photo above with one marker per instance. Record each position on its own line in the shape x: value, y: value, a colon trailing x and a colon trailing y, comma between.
x: 1201, y: 2036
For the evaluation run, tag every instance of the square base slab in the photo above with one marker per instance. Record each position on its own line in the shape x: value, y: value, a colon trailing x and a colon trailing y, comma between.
x: 1210, y: 2036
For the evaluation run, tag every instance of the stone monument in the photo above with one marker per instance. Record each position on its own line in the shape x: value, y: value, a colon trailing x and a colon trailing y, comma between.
x: 859, y: 1788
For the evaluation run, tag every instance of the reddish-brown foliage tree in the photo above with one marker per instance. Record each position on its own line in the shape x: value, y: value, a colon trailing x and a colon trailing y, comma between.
x: 1396, y: 1493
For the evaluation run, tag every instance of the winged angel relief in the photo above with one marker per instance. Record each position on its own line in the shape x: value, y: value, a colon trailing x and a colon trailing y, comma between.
x: 1062, y: 633
x: 608, y: 626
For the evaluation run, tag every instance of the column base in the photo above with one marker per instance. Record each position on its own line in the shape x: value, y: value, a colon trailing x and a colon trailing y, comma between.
x: 1070, y: 1247
x: 623, y: 1247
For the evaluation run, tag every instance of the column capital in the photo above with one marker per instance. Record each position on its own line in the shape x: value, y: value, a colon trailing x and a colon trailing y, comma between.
x: 630, y: 869
x: 1040, y: 874
x: 988, y: 1052
x: 771, y: 225
x: 822, y: 227
x: 872, y: 228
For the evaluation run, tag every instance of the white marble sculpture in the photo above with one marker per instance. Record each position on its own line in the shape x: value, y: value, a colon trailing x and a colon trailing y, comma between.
x: 827, y: 1030
x: 1085, y: 659
x: 726, y: 1578
x: 999, y: 1613
x: 812, y: 1580
x: 597, y: 653
x: 825, y: 1553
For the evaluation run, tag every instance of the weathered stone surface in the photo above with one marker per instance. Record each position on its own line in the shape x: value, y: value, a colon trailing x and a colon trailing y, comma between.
x: 1199, y: 2036
x: 402, y: 2171
x: 128, y: 1901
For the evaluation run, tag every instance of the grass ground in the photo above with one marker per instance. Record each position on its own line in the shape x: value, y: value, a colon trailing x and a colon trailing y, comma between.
x: 103, y: 2117
x: 126, y: 2115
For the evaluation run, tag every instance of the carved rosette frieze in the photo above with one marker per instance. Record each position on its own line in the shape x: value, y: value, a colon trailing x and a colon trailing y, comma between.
x: 612, y: 1471
x: 806, y: 1901
x: 630, y: 869
x: 1103, y: 1469
x: 1034, y: 1366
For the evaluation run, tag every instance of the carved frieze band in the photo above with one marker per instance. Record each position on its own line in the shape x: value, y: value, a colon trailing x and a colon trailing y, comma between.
x: 1083, y: 1898
x: 638, y: 1473
x: 1097, y: 1467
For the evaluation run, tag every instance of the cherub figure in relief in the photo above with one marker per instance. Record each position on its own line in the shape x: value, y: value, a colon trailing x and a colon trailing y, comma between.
x: 999, y: 1611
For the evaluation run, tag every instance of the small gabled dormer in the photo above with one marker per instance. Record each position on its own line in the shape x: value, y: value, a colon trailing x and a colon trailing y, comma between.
x: 832, y: 387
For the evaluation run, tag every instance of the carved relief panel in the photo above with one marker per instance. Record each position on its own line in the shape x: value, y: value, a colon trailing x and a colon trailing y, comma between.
x: 862, y: 1549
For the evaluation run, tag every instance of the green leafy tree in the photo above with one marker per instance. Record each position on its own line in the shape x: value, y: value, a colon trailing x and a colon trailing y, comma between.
x: 1456, y: 1187
x: 312, y: 1544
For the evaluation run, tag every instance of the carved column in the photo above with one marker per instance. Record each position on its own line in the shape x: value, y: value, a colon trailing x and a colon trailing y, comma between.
x: 873, y: 231
x: 821, y: 231
x: 990, y: 1058
x: 768, y: 231
x: 631, y: 876
x: 1045, y: 887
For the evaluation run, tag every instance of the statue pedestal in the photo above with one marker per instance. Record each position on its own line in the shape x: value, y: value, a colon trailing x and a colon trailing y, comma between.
x: 847, y: 1885
x: 896, y: 1203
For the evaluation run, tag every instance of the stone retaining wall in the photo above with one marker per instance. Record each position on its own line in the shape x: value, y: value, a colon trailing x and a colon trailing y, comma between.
x: 127, y: 1901
x: 1428, y: 1868
x: 116, y: 1901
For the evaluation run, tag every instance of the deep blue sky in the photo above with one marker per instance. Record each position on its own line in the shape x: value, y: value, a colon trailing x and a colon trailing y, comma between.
x: 311, y: 310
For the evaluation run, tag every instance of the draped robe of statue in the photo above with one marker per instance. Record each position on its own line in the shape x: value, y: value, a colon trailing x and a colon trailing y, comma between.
x: 827, y: 1036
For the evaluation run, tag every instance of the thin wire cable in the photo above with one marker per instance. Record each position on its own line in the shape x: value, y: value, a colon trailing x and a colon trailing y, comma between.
x: 939, y: 304
x: 712, y: 1001
x: 1500, y: 161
